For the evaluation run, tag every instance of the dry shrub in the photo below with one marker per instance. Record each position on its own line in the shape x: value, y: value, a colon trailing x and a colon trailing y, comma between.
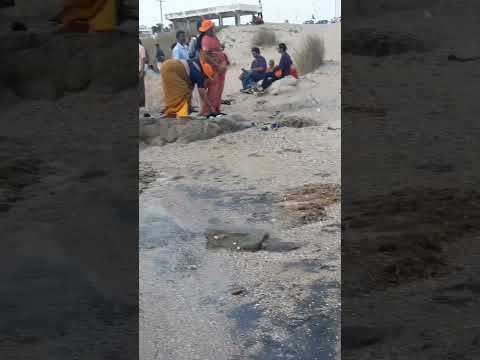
x: 311, y: 55
x: 264, y: 37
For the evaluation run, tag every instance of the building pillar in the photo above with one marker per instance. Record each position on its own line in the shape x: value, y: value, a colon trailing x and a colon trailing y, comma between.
x: 237, y: 19
x: 220, y: 20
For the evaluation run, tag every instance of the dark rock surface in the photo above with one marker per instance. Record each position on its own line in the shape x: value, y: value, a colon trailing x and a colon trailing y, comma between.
x: 236, y: 240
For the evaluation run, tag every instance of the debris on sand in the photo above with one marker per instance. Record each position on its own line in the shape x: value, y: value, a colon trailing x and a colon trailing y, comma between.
x: 307, y: 204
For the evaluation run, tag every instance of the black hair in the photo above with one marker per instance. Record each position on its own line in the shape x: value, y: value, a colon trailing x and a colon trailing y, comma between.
x: 157, y: 45
x: 140, y: 41
x: 256, y: 49
x: 179, y: 32
x: 199, y: 41
x: 199, y: 24
x: 282, y: 46
x: 173, y: 45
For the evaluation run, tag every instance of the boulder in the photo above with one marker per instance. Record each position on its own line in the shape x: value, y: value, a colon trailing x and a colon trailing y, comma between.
x: 235, y: 239
x: 187, y: 130
x: 275, y: 245
x: 283, y: 85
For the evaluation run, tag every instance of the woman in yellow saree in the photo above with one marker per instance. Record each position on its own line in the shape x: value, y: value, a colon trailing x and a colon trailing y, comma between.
x: 179, y: 78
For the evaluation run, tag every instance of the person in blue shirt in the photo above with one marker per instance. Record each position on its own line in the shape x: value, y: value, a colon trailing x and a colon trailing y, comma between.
x: 180, y: 51
x: 257, y: 70
x: 281, y: 70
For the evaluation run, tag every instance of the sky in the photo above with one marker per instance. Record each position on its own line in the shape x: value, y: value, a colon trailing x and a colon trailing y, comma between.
x: 295, y: 11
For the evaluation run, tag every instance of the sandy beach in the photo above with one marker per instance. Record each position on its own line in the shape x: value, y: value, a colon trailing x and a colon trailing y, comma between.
x: 282, y: 181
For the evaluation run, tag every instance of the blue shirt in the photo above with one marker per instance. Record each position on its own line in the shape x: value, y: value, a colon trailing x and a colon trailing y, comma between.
x: 285, y: 64
x: 180, y: 52
x: 257, y: 63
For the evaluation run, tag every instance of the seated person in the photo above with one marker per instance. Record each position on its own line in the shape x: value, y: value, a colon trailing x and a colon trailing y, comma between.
x: 271, y: 66
x: 281, y: 70
x: 259, y: 19
x: 257, y: 70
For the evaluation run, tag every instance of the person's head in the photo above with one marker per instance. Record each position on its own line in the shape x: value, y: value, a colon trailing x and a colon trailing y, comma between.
x: 208, y: 28
x: 282, y: 48
x: 199, y: 25
x: 157, y: 46
x: 271, y: 63
x: 181, y: 37
x: 255, y: 51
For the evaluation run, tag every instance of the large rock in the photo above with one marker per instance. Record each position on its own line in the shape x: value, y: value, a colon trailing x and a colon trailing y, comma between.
x: 283, y: 85
x: 235, y: 239
x: 238, y: 239
x: 165, y: 131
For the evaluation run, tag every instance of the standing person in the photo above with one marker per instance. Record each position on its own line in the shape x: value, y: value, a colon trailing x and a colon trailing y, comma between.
x: 281, y: 70
x: 193, y: 48
x: 179, y: 78
x: 142, y: 60
x: 193, y: 54
x: 180, y: 51
x: 257, y: 70
x: 160, y: 55
x: 214, y: 64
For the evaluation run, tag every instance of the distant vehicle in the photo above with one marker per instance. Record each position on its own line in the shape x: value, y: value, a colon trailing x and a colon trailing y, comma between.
x: 309, y: 22
x: 322, y: 22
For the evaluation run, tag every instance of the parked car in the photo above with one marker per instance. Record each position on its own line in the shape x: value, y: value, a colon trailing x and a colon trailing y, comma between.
x: 322, y: 22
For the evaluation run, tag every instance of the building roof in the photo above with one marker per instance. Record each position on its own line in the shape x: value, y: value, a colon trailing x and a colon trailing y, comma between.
x: 212, y: 12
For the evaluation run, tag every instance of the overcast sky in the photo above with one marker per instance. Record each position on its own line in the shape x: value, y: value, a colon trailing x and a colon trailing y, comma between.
x: 296, y: 11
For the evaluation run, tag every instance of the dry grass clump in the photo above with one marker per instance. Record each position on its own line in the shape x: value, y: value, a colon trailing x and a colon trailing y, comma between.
x: 264, y: 37
x: 311, y: 55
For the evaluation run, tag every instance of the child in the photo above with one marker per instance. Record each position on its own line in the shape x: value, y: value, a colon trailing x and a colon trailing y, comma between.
x: 271, y: 65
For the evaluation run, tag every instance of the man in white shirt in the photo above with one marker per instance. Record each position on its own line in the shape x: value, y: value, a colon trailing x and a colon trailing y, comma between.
x: 180, y: 51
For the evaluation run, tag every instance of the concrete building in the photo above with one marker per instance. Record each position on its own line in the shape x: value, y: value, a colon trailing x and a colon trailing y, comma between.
x: 145, y: 31
x: 186, y: 20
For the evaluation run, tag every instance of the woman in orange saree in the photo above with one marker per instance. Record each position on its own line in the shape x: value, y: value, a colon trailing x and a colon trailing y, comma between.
x: 214, y: 62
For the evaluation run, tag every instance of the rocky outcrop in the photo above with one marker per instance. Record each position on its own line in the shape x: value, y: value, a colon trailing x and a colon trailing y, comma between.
x: 164, y: 131
x: 283, y: 85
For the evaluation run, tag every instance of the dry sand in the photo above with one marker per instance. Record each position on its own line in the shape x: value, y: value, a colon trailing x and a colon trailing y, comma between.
x: 292, y: 305
x: 409, y: 288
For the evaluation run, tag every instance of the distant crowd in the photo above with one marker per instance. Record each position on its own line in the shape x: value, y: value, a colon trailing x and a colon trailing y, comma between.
x: 199, y: 66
